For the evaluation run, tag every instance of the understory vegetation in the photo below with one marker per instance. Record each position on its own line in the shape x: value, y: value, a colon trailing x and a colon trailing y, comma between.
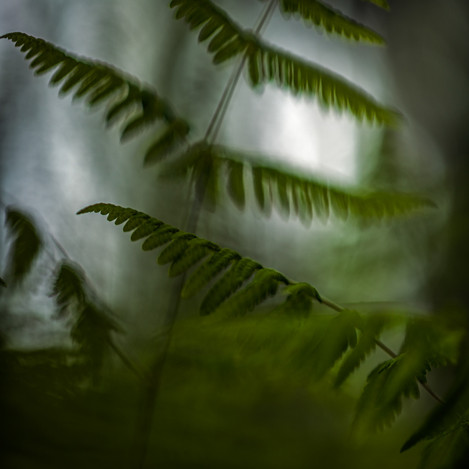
x: 248, y: 367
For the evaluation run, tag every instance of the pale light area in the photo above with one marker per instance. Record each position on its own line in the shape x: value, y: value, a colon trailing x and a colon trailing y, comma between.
x: 321, y: 143
x: 294, y: 132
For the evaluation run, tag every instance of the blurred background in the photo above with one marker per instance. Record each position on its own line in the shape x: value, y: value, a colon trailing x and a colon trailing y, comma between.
x: 224, y: 401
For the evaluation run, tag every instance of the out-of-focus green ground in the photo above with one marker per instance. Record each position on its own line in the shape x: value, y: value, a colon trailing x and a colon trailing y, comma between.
x: 234, y: 394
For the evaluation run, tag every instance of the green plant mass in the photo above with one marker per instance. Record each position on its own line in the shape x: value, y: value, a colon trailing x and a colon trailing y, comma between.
x: 247, y: 366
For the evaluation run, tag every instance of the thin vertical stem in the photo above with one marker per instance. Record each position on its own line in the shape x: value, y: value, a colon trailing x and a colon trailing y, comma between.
x: 220, y: 111
x: 142, y: 437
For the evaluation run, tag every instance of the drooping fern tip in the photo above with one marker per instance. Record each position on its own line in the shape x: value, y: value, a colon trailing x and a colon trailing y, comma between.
x: 136, y: 106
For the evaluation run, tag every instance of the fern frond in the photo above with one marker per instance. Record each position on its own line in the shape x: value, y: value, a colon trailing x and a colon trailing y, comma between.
x: 240, y: 283
x: 287, y: 191
x: 92, y: 325
x: 264, y: 285
x: 330, y: 19
x: 226, y: 38
x: 136, y: 106
x: 26, y: 244
x: 69, y: 286
x: 332, y: 342
x: 269, y: 64
x: 448, y: 449
x: 387, y: 385
x: 300, y: 297
x: 208, y: 270
x: 370, y: 329
x: 380, y: 3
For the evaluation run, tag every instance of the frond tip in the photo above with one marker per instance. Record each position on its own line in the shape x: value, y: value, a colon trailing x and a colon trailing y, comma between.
x: 239, y: 284
x: 330, y: 19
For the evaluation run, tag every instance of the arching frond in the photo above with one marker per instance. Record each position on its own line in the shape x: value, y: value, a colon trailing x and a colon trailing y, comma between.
x: 330, y: 19
x: 380, y: 3
x: 69, y: 286
x: 240, y: 283
x: 370, y: 329
x: 270, y: 64
x: 136, y: 106
x: 26, y: 244
x: 287, y: 191
x: 267, y: 63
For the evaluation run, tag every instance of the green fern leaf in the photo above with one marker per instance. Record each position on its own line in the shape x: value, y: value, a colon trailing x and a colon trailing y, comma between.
x: 171, y: 137
x: 225, y: 36
x: 185, y: 250
x: 370, y: 330
x: 137, y: 107
x: 339, y: 335
x: 160, y: 237
x: 299, y: 298
x: 26, y: 244
x: 387, y: 384
x: 264, y: 284
x: 176, y: 248
x: 380, y: 3
x: 236, y: 183
x: 268, y: 64
x: 196, y: 250
x: 330, y: 19
x: 69, y: 286
x: 208, y: 271
x: 287, y: 191
x: 239, y: 272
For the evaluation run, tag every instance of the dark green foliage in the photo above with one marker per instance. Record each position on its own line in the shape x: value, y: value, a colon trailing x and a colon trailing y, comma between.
x: 2, y: 283
x: 427, y: 345
x: 183, y: 250
x: 330, y: 19
x: 329, y: 342
x: 269, y: 64
x: 279, y: 187
x: 387, y: 384
x: 92, y: 327
x: 380, y: 3
x: 370, y: 329
x: 208, y: 270
x: 25, y: 246
x: 137, y: 107
x: 69, y: 286
x: 235, y: 285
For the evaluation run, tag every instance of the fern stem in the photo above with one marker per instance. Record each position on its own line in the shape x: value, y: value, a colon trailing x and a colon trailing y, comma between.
x: 126, y: 360
x: 222, y: 106
x: 384, y: 348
